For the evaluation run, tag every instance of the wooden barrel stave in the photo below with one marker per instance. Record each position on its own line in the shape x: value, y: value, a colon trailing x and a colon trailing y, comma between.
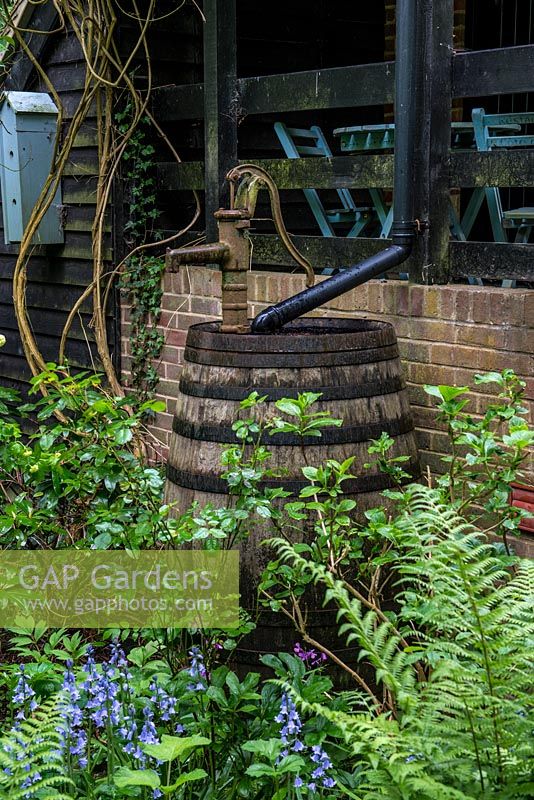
x: 354, y: 364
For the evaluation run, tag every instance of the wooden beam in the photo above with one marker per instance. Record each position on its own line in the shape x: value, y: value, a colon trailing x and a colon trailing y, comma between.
x: 322, y: 251
x: 220, y: 108
x: 363, y: 172
x: 467, y: 169
x: 493, y: 260
x: 507, y: 168
x: 476, y: 74
x: 338, y: 87
x: 433, y: 134
x: 506, y: 70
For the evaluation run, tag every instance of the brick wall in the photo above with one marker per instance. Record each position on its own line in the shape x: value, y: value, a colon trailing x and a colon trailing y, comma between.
x: 446, y: 334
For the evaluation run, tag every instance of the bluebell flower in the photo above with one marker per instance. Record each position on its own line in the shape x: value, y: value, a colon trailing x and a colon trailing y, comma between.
x: 30, y: 781
x: 163, y: 702
x: 197, y: 670
x: 149, y: 734
x: 103, y: 693
x: 73, y: 736
x: 157, y: 793
x: 128, y: 733
x: 289, y: 718
x: 23, y: 696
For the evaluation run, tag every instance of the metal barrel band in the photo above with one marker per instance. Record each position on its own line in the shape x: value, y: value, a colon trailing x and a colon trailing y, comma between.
x: 376, y: 482
x: 350, y: 434
x: 328, y: 393
x: 289, y: 360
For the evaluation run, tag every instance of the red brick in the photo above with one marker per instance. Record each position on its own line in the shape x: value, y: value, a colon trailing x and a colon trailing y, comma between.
x: 374, y: 297
x: 163, y: 421
x: 520, y: 340
x: 403, y: 299
x: 417, y: 300
x: 481, y: 305
x: 173, y: 371
x: 175, y: 338
x: 483, y: 335
x: 414, y: 351
x: 171, y: 355
x: 463, y: 310
x: 431, y: 301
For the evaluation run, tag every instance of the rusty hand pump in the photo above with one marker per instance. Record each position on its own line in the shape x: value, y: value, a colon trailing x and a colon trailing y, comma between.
x: 232, y: 253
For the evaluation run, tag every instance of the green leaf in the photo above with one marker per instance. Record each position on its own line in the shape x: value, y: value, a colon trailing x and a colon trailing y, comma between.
x: 136, y: 777
x: 172, y: 747
x: 446, y: 393
x: 288, y: 406
x: 122, y: 435
x: 260, y: 770
x: 186, y: 777
x: 268, y: 748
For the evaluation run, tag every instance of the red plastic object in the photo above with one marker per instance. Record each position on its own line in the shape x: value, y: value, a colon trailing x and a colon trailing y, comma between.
x: 523, y: 497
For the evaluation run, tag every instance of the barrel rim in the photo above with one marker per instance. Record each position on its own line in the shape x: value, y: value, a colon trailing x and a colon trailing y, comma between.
x: 309, y: 335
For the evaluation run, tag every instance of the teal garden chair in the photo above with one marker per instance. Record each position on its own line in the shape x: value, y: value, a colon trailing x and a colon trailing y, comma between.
x: 298, y: 142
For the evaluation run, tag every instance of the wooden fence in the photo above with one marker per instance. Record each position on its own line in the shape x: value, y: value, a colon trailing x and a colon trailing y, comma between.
x: 443, y: 74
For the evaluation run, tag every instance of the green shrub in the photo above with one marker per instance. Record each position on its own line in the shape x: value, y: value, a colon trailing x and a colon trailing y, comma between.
x: 78, y: 480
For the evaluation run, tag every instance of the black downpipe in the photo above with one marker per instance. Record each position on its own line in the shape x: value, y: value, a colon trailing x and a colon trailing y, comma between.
x: 403, y: 227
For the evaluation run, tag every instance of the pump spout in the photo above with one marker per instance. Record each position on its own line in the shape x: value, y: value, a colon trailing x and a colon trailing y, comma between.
x: 403, y: 228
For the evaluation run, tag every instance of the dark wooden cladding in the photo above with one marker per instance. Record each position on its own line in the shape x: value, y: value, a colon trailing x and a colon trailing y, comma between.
x: 44, y: 18
x: 491, y: 260
x: 506, y: 70
x: 57, y: 275
x: 174, y: 103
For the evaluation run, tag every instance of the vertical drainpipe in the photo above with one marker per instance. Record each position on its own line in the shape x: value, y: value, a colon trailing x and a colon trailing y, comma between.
x: 403, y: 228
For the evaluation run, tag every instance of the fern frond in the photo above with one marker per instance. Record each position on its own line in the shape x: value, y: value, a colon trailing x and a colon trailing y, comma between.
x: 31, y: 763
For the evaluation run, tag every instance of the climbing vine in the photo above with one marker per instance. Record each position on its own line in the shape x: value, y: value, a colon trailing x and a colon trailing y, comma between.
x: 142, y: 276
x: 110, y: 76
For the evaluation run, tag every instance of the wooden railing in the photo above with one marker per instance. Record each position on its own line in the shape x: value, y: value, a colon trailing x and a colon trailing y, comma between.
x: 445, y: 75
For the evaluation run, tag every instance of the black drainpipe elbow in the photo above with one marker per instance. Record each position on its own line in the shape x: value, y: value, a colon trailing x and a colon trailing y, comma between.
x: 403, y: 228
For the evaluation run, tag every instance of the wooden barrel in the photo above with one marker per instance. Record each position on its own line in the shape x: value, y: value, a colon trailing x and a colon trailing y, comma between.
x: 353, y: 363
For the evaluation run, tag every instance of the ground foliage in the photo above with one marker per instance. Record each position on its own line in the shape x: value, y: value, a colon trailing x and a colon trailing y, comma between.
x: 435, y: 608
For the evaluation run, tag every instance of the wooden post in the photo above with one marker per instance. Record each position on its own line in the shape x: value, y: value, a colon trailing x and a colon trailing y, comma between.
x: 220, y: 106
x: 431, y: 180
